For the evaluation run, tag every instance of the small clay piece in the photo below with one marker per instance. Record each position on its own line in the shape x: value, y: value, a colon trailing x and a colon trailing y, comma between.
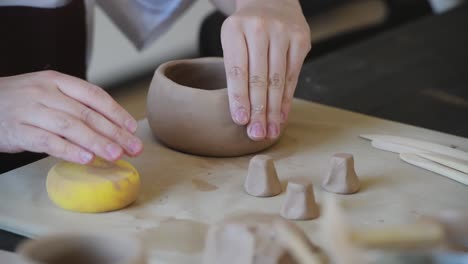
x: 250, y: 239
x: 79, y: 248
x: 188, y: 110
x: 341, y: 178
x: 300, y: 202
x: 262, y: 180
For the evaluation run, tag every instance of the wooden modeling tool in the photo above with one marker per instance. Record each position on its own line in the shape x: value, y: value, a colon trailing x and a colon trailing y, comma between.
x: 446, y: 161
x: 335, y: 234
x: 415, y: 145
x: 417, y: 160
x: 344, y: 245
x: 300, y: 250
x: 454, y: 163
x: 419, y: 235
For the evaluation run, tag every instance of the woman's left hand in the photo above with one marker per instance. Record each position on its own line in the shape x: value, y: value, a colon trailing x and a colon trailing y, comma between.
x: 265, y: 43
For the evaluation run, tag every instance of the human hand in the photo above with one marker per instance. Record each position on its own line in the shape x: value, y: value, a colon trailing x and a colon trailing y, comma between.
x: 265, y: 43
x: 65, y: 117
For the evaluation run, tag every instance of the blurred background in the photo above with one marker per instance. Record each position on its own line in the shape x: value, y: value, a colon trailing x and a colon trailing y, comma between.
x: 115, y: 59
x: 407, y: 63
x: 334, y: 23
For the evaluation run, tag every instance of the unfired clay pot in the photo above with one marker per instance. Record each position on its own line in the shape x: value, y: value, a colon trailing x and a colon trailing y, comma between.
x: 188, y: 110
x: 78, y: 248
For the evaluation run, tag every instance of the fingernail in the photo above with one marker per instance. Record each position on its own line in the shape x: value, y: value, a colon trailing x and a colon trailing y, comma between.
x: 114, y: 151
x: 135, y: 145
x: 241, y: 116
x: 273, y: 131
x: 131, y: 125
x: 256, y: 130
x: 85, y: 157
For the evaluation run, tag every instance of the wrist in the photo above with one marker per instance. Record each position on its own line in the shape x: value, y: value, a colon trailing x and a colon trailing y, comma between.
x: 242, y: 3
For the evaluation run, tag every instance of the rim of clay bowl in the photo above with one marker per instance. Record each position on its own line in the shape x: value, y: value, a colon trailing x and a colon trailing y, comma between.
x: 59, y: 247
x: 163, y: 68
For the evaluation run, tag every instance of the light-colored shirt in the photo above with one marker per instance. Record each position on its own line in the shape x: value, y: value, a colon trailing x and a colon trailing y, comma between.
x: 141, y: 21
x: 440, y: 6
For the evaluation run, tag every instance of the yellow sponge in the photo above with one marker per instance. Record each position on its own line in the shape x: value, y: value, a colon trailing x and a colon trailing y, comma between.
x: 99, y: 187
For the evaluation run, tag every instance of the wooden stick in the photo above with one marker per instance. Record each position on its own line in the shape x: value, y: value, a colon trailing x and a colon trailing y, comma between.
x: 452, y: 174
x: 414, y: 145
x: 336, y: 234
x: 454, y: 163
x: 296, y: 245
x: 409, y: 236
x: 344, y: 245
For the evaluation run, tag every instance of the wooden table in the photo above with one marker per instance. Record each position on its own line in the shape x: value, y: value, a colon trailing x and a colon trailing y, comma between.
x: 406, y: 68
x: 175, y: 207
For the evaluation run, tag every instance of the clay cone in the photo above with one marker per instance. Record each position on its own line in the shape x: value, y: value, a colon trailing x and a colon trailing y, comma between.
x: 262, y: 180
x: 300, y: 202
x: 341, y: 177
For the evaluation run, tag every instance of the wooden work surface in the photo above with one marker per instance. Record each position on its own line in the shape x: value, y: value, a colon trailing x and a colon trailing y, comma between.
x: 182, y: 193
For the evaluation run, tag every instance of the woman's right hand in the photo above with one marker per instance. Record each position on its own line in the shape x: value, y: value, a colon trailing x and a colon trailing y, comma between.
x: 64, y: 117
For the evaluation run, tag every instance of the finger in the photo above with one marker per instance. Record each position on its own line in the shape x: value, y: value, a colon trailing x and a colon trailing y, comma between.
x: 131, y: 144
x: 277, y: 71
x: 257, y: 43
x: 74, y: 130
x: 298, y: 49
x: 97, y: 99
x: 236, y: 65
x: 42, y: 141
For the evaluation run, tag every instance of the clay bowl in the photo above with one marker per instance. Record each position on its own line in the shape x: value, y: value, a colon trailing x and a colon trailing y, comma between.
x: 81, y: 248
x: 188, y: 110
